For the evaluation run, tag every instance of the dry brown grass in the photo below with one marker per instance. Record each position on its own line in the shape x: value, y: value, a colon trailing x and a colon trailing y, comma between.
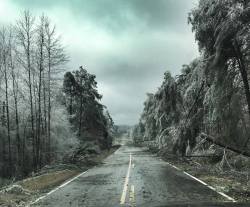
x: 35, y: 185
x: 12, y: 200
x: 47, y: 180
x: 233, y: 183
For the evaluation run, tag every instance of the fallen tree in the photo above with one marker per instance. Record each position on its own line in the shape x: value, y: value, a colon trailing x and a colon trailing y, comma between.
x: 216, y: 142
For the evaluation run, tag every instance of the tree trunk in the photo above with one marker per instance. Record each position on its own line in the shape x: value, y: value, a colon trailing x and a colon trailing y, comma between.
x: 31, y: 107
x: 49, y: 105
x: 44, y: 105
x: 80, y: 118
x: 41, y: 46
x: 3, y: 138
x: 7, y: 114
x: 23, y: 148
x: 45, y: 109
x: 35, y: 92
x: 44, y: 128
x: 15, y: 89
x: 71, y: 103
x: 39, y: 117
x: 244, y: 77
x: 48, y: 34
x: 25, y: 34
x: 214, y: 141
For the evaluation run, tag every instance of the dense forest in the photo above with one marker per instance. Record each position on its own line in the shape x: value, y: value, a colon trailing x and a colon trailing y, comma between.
x: 44, y: 116
x: 210, y: 98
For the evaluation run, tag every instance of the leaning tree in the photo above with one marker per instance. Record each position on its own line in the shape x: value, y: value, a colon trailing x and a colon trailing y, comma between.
x: 222, y: 29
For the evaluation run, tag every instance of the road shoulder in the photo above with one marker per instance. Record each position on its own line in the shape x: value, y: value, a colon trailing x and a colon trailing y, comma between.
x: 32, y: 188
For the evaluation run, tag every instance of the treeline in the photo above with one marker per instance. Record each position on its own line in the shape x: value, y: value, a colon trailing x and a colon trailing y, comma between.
x: 211, y: 95
x: 35, y: 126
x: 31, y: 54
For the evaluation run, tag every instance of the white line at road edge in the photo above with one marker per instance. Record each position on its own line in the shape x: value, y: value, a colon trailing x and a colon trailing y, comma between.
x: 200, y: 181
x: 54, y: 190
x: 125, y: 187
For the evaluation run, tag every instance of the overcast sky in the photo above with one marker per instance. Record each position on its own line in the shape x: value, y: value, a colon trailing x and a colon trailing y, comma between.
x: 128, y: 44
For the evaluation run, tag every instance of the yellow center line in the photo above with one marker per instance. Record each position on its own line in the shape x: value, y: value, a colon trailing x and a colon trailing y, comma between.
x: 132, y: 196
x: 125, y: 187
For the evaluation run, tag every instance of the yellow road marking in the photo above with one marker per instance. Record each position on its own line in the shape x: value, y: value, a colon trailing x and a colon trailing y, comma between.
x: 132, y: 196
x: 125, y: 187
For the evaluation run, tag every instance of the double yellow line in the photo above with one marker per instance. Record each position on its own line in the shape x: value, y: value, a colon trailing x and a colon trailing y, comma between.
x: 125, y: 187
x: 132, y: 196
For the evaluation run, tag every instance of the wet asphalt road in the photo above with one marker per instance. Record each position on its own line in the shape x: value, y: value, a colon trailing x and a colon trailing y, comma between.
x: 151, y: 183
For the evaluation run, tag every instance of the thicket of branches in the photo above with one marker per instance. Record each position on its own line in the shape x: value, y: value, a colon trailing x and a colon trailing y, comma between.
x: 211, y: 95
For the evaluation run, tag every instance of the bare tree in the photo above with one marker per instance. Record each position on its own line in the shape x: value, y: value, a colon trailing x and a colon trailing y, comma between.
x: 25, y: 36
x: 5, y: 59
x: 31, y: 58
x: 40, y: 59
x: 56, y: 58
x: 14, y: 73
x: 3, y: 114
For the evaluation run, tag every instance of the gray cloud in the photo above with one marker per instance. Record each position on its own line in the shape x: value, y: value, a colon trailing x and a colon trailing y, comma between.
x: 117, y: 15
x: 128, y: 44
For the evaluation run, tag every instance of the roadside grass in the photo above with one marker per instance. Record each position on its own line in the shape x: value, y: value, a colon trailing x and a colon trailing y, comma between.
x: 233, y: 183
x: 230, y: 184
x: 32, y: 187
x: 29, y: 189
x: 48, y: 180
x: 13, y: 200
